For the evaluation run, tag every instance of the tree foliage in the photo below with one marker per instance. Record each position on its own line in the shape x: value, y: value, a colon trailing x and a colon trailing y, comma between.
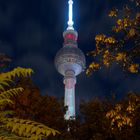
x: 105, y: 119
x: 122, y: 46
x: 32, y: 105
x: 109, y: 119
x: 27, y: 128
x: 24, y: 128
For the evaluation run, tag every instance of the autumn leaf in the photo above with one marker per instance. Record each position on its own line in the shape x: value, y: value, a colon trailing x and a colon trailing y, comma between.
x: 133, y: 68
x: 113, y: 13
x: 131, y: 33
x: 120, y: 56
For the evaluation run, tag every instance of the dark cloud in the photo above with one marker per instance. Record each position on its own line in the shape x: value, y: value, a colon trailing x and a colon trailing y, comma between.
x: 29, y: 35
x: 6, y: 48
x: 43, y: 68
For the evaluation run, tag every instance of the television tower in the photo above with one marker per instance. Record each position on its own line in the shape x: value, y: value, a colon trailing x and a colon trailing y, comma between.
x: 70, y: 62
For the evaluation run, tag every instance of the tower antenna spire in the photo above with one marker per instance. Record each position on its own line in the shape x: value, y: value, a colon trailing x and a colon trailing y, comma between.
x: 70, y: 21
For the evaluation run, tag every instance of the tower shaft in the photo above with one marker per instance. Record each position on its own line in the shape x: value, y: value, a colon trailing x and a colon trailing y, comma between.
x: 69, y: 101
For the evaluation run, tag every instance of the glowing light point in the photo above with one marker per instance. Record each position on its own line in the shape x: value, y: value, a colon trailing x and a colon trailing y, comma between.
x: 70, y: 22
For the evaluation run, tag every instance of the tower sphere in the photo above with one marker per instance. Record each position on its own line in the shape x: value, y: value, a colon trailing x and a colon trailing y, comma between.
x: 70, y: 57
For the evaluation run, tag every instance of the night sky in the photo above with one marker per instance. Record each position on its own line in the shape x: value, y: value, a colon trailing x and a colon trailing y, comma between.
x: 31, y: 34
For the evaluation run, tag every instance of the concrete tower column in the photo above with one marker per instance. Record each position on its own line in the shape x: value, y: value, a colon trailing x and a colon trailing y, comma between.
x: 69, y: 101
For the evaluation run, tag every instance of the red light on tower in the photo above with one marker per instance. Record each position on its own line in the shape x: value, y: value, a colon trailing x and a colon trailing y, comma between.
x: 70, y: 37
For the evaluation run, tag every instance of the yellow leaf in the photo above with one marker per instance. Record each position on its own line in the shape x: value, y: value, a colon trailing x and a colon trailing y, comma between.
x: 120, y: 56
x: 131, y: 33
x: 133, y: 68
x: 48, y: 132
x: 100, y: 37
x: 34, y: 129
x: 113, y: 13
x: 15, y: 127
x: 21, y: 129
x: 38, y: 131
x: 28, y: 128
x: 119, y: 22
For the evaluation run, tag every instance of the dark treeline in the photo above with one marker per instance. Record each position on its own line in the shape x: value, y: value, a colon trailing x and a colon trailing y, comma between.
x: 97, y: 119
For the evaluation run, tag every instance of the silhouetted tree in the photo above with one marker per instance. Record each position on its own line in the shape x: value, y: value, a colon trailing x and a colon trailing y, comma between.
x: 32, y: 105
x: 4, y: 61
